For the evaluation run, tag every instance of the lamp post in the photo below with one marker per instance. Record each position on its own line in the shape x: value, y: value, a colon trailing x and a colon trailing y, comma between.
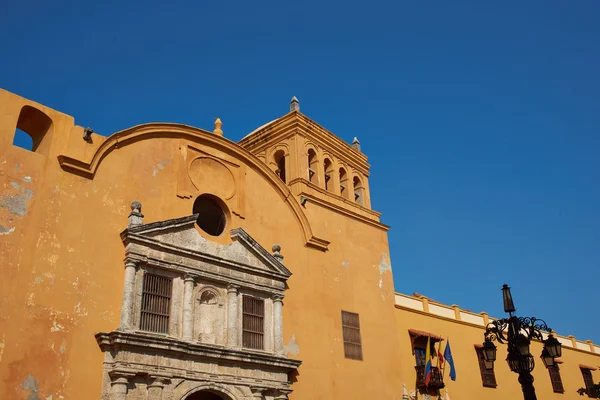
x: 517, y: 333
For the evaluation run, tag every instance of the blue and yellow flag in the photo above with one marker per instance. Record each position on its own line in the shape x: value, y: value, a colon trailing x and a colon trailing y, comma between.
x: 450, y: 360
x: 428, y: 362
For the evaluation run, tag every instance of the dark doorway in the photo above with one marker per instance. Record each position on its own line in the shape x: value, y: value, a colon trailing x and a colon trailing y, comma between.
x: 203, y: 395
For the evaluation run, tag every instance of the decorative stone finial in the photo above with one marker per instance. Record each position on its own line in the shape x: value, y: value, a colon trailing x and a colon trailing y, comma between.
x: 276, y: 254
x: 87, y: 134
x: 356, y: 143
x: 136, y: 217
x: 218, y: 125
x: 294, y: 104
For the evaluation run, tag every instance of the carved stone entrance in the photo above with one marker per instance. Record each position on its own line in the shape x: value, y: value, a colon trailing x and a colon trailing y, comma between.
x: 199, y: 321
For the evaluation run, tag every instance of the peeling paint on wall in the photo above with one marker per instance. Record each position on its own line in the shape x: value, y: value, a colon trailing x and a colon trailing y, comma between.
x: 160, y: 166
x: 26, y: 179
x: 292, y: 347
x: 56, y: 327
x: 16, y: 204
x: 345, y: 263
x: 15, y: 185
x: 81, y: 311
x: 1, y: 348
x: 6, y: 231
x: 30, y: 384
x: 384, y: 264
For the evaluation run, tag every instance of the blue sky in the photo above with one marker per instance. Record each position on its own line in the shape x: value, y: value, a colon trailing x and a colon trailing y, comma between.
x: 480, y: 119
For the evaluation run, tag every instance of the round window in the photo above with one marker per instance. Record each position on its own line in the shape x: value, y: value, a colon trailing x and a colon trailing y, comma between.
x: 211, y: 215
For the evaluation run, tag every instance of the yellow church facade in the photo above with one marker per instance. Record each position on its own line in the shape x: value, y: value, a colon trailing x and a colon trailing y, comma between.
x: 169, y: 262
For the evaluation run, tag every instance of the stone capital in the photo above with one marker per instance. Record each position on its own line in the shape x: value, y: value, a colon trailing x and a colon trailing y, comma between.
x: 231, y: 288
x: 258, y: 389
x: 120, y: 377
x: 278, y: 297
x: 189, y: 278
x: 158, y: 381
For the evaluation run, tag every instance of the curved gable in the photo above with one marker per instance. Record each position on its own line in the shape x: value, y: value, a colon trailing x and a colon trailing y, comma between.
x: 88, y: 167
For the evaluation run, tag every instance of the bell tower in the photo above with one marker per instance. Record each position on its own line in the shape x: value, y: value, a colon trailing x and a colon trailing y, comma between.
x: 312, y: 161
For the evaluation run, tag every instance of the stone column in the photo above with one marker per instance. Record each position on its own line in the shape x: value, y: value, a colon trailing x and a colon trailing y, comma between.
x: 128, y: 293
x: 232, y: 311
x: 188, y: 320
x: 119, y: 385
x: 155, y: 388
x: 278, y: 324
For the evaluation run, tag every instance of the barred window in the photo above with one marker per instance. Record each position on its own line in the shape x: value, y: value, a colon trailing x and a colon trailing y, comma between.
x: 351, y: 333
x: 488, y: 377
x: 156, y: 303
x: 587, y: 377
x: 555, y: 378
x: 253, y: 323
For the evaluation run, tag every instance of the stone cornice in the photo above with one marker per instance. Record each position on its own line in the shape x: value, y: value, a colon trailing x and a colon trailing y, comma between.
x: 170, y: 257
x: 242, y: 236
x: 138, y: 234
x: 172, y: 263
x: 323, y: 202
x: 143, y: 341
x: 303, y: 182
x: 297, y: 123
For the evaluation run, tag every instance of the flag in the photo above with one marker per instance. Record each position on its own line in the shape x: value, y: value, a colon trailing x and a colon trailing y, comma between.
x: 440, y: 357
x: 427, y: 362
x: 450, y: 360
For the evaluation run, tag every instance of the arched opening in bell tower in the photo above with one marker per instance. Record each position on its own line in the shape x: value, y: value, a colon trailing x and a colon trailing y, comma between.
x: 344, y: 185
x: 328, y: 168
x: 312, y: 166
x: 359, y: 191
x: 279, y: 159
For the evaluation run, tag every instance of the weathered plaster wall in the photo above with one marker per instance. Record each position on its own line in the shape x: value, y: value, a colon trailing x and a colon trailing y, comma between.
x: 61, y: 258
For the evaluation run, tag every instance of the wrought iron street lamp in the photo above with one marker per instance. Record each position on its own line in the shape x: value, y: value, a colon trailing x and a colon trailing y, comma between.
x: 517, y: 333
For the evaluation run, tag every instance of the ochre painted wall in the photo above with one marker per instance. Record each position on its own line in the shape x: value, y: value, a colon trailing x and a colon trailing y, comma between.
x: 463, y: 337
x: 61, y: 257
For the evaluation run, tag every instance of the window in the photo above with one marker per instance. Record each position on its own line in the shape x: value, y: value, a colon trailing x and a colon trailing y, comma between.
x: 211, y: 217
x: 351, y: 332
x: 156, y: 303
x: 557, y: 385
x: 35, y: 124
x: 587, y: 377
x: 488, y: 378
x: 279, y: 159
x: 419, y: 341
x: 253, y: 327
x: 312, y: 166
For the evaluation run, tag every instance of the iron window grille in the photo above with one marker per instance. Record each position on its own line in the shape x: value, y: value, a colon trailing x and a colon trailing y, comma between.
x: 156, y: 303
x: 253, y: 323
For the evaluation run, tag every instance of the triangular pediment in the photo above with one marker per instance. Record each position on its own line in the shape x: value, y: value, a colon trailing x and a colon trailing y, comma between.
x: 180, y: 234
